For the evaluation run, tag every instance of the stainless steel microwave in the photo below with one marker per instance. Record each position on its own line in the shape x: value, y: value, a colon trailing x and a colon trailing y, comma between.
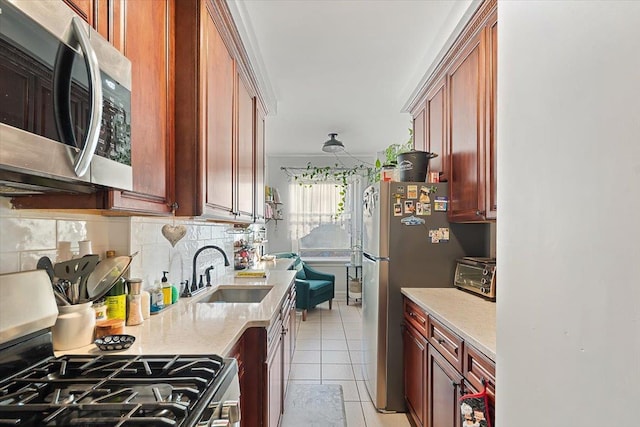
x: 65, y: 103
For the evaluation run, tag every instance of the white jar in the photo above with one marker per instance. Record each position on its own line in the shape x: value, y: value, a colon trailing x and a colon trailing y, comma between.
x: 74, y: 326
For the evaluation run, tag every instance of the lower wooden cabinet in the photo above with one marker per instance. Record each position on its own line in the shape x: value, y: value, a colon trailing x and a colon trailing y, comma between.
x: 274, y: 384
x: 439, y: 367
x: 443, y: 390
x: 414, y: 347
x: 264, y: 360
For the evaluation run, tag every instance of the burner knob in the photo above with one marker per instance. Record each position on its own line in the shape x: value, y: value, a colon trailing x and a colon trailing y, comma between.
x: 231, y: 411
x: 220, y: 423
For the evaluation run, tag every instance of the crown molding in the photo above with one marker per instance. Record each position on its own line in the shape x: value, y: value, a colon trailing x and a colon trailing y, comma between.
x: 250, y: 51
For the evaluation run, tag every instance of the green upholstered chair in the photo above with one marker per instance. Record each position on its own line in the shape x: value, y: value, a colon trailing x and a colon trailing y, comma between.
x: 312, y: 286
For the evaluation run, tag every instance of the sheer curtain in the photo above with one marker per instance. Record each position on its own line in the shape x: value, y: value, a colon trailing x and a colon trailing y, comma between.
x: 313, y: 225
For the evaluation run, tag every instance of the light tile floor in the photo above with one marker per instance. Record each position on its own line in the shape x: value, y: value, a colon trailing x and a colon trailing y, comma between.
x: 328, y: 351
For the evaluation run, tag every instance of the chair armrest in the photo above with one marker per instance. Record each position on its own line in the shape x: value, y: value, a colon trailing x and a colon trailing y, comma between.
x: 314, y: 274
x: 302, y: 293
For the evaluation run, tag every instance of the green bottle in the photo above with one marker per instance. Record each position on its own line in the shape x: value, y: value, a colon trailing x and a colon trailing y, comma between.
x: 116, y: 300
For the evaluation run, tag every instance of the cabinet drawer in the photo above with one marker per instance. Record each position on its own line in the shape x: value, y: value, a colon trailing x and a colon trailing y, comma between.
x: 415, y: 316
x: 446, y: 342
x: 477, y: 367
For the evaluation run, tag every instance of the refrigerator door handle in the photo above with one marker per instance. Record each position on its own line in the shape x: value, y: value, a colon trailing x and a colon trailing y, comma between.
x: 375, y: 258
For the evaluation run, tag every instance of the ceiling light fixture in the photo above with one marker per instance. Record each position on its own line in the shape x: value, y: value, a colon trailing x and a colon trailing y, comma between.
x: 333, y: 145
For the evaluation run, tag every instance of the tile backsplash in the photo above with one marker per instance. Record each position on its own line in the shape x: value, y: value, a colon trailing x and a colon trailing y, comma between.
x: 27, y: 235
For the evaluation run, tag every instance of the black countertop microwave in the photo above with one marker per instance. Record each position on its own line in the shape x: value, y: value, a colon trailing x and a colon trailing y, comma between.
x: 65, y: 103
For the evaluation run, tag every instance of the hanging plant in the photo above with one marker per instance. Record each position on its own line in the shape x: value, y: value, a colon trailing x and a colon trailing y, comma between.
x: 338, y: 174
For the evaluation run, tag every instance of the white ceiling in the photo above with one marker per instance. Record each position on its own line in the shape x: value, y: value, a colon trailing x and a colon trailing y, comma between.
x: 344, y: 66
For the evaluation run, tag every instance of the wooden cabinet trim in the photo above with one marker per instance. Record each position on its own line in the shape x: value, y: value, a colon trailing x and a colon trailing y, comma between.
x: 491, y: 126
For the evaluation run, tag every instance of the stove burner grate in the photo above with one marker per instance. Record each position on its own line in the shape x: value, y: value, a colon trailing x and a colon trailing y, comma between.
x: 109, y: 391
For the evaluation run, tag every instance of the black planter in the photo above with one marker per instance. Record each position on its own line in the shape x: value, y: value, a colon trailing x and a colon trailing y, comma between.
x: 413, y: 165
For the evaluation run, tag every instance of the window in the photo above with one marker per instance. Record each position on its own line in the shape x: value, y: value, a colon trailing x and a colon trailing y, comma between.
x: 314, y: 229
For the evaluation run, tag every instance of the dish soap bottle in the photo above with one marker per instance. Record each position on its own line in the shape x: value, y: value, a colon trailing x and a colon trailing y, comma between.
x: 166, y: 289
x: 157, y: 299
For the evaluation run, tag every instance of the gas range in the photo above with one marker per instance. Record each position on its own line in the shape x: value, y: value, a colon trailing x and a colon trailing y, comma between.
x: 39, y: 389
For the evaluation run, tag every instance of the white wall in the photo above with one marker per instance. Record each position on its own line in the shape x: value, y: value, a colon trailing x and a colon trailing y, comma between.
x: 278, y: 233
x: 569, y: 230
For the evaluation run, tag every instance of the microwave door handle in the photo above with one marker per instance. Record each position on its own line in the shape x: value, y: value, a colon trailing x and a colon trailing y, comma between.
x: 83, y: 160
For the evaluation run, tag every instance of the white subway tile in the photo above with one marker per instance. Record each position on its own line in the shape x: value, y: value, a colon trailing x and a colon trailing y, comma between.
x: 72, y: 231
x: 23, y: 234
x: 9, y: 262
x: 29, y: 260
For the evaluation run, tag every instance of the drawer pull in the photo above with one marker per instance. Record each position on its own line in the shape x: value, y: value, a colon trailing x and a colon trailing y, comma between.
x: 441, y: 341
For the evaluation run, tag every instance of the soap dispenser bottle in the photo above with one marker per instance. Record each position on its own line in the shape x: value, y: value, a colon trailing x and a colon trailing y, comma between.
x: 166, y: 289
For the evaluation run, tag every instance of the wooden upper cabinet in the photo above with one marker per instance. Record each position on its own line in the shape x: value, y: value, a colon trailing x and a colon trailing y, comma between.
x: 466, y: 89
x: 459, y: 108
x: 215, y: 120
x: 218, y: 144
x: 147, y: 41
x: 149, y: 45
x: 436, y: 128
x: 245, y: 152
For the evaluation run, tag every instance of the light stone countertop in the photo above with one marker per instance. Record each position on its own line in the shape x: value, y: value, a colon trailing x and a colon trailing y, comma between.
x: 470, y: 317
x: 189, y: 327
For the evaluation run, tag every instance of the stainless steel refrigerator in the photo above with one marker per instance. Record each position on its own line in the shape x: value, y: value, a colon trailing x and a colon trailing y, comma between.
x: 407, y: 242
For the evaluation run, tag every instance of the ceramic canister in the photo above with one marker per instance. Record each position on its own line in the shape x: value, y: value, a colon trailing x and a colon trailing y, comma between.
x: 74, y: 326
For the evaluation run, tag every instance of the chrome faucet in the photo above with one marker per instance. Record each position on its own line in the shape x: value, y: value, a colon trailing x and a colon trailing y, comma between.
x: 195, y: 288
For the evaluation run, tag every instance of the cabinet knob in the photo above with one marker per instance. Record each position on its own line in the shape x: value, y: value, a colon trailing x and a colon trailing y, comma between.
x: 479, y: 213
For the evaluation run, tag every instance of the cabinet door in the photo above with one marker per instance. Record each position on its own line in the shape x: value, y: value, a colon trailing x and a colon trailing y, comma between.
x: 244, y: 158
x: 259, y: 163
x: 415, y: 372
x: 466, y: 124
x: 109, y: 20
x: 491, y: 153
x: 274, y: 385
x: 443, y: 391
x: 149, y: 46
x: 419, y: 136
x: 436, y: 125
x: 105, y: 16
x: 219, y: 87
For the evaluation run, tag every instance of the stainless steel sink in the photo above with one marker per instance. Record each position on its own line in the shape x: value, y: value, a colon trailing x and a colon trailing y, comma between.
x: 252, y: 295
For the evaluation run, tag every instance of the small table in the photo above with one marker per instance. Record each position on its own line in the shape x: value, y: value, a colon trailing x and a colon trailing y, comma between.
x: 357, y: 275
